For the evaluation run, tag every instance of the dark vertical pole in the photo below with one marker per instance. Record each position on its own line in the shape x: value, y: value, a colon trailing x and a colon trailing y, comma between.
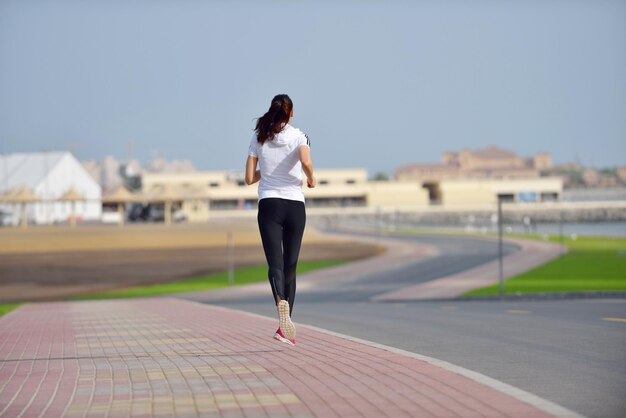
x: 500, y: 251
x: 561, y: 230
x: 231, y: 259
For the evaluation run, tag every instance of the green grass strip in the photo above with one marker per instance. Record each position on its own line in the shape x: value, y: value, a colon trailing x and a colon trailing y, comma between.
x: 591, y: 265
x: 6, y: 308
x: 204, y: 283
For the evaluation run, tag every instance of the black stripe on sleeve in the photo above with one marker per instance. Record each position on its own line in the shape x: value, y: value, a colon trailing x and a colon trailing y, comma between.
x: 308, y: 141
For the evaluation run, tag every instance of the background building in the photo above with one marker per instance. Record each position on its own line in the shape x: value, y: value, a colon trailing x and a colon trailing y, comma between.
x: 482, y: 176
x: 49, y: 176
x: 491, y: 162
x: 199, y: 194
x: 111, y: 173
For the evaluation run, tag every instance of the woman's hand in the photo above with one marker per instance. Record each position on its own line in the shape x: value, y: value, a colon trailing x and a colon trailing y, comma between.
x: 311, y: 182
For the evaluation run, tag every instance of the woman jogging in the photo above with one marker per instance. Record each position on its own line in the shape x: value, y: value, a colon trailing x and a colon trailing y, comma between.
x: 281, y: 152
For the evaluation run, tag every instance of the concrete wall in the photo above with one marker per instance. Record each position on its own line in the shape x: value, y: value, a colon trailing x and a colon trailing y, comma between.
x: 196, y: 210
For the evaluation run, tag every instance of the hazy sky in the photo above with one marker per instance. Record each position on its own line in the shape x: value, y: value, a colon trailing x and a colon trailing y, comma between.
x: 375, y: 84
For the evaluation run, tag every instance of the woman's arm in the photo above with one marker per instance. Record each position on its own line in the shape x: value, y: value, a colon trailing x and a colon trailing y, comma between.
x: 252, y: 174
x: 307, y: 166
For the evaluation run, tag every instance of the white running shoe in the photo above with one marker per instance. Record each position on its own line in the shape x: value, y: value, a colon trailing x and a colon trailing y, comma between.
x: 278, y: 335
x: 284, y: 320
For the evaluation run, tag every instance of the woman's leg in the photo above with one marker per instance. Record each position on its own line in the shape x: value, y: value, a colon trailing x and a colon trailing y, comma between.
x: 270, y: 225
x: 293, y: 229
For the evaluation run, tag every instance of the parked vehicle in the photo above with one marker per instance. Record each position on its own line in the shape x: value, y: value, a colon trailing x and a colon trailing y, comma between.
x: 153, y: 213
x: 6, y: 218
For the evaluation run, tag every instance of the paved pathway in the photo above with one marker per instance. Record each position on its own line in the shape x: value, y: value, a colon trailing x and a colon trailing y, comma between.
x: 531, y: 254
x: 397, y: 255
x: 403, y: 253
x: 168, y: 357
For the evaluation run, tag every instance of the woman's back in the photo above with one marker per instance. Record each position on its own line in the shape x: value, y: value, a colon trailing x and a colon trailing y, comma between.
x: 279, y: 163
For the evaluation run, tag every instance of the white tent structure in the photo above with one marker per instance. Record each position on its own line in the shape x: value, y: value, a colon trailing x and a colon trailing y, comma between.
x: 50, y: 175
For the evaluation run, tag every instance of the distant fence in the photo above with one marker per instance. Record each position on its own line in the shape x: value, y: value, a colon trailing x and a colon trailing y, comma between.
x: 594, y: 195
x: 516, y: 217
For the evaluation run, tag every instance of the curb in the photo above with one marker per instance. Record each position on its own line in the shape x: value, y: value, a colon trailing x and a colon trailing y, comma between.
x: 547, y: 296
x: 534, y: 297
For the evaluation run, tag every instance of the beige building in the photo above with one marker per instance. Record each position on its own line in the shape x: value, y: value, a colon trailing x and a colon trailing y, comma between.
x: 491, y: 162
x: 482, y: 176
x: 201, y: 194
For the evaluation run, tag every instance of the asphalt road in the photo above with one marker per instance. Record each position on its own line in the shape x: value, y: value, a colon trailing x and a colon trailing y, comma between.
x: 572, y: 352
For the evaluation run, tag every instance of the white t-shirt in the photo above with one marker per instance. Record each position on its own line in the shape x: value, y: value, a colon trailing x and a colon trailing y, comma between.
x: 279, y: 162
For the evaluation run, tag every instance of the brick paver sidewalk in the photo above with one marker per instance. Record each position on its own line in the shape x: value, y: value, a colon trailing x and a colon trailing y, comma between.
x: 168, y: 357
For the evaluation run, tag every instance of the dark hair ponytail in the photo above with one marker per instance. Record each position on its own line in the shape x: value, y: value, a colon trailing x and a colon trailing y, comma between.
x: 273, y: 121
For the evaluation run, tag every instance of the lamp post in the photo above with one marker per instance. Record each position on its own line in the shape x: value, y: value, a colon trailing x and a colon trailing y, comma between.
x: 500, y: 249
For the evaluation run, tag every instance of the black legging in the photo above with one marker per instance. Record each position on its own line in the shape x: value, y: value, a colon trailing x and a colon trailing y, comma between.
x: 281, y: 223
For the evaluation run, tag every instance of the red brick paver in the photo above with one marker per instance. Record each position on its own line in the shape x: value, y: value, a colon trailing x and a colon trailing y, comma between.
x: 168, y: 357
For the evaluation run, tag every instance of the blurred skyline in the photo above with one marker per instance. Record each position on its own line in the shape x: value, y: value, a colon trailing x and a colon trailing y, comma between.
x: 375, y: 84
